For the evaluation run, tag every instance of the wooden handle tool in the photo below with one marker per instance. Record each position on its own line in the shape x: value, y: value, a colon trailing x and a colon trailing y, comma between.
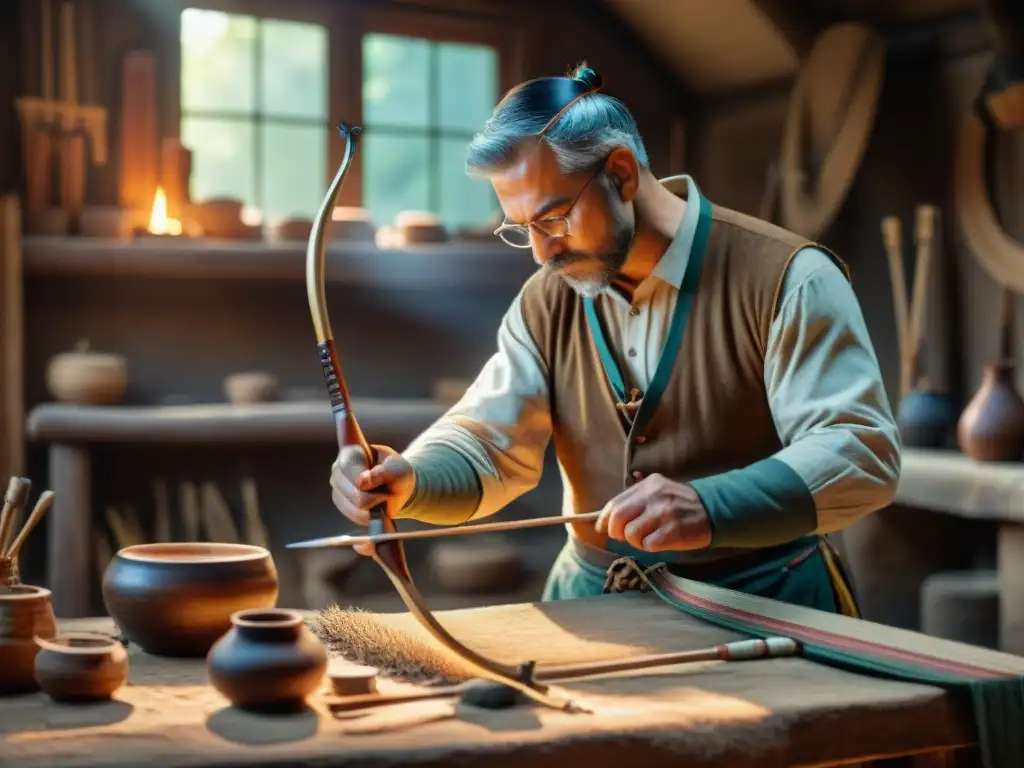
x: 40, y: 509
x: 16, y: 497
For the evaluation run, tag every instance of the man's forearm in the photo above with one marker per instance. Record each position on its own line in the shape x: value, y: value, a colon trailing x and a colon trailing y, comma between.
x: 447, y: 490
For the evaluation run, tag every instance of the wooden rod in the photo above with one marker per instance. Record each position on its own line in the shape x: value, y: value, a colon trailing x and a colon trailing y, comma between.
x: 432, y: 533
x: 740, y: 650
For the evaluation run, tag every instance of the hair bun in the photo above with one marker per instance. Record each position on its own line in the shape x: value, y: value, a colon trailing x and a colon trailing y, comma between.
x: 587, y: 76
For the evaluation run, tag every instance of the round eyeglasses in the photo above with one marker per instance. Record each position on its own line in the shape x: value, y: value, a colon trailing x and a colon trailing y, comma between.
x: 518, y: 235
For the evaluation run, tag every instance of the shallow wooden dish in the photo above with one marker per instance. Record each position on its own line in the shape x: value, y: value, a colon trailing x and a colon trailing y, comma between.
x: 176, y: 599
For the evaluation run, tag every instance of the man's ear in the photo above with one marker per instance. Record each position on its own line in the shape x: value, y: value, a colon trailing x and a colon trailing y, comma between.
x: 624, y: 172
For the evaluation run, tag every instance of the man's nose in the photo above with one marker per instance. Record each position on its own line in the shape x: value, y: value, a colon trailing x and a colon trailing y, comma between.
x: 545, y: 247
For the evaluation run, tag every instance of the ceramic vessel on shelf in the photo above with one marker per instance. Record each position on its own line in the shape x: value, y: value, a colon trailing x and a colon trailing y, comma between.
x: 250, y: 387
x: 80, y: 667
x: 926, y: 418
x: 88, y: 377
x: 176, y: 599
x: 26, y: 613
x: 991, y: 428
x: 269, y: 660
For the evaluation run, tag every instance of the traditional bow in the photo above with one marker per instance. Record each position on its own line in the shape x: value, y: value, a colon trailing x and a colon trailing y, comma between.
x: 389, y: 555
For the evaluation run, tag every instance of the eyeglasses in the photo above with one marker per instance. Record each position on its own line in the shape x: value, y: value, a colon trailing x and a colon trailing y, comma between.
x: 518, y: 235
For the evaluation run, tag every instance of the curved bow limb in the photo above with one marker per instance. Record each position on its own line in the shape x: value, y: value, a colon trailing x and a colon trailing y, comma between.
x: 390, y: 556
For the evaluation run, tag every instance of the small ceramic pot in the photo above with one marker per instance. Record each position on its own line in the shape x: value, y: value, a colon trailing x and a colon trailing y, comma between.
x: 80, y: 667
x: 269, y: 661
x: 250, y: 387
x: 926, y: 419
x: 26, y: 613
x: 84, y: 376
x: 177, y: 599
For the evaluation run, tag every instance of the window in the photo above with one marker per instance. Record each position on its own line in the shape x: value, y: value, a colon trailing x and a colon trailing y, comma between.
x: 422, y: 102
x: 254, y: 111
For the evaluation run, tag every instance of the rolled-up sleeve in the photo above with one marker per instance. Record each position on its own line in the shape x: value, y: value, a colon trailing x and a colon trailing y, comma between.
x: 488, y: 449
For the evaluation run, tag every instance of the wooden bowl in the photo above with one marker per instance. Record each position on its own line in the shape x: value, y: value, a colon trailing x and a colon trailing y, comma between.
x: 87, y: 377
x: 176, y: 599
x: 80, y: 667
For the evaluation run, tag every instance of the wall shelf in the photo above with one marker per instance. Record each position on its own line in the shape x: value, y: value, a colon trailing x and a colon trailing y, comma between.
x: 454, y: 264
x: 949, y: 482
x: 224, y: 423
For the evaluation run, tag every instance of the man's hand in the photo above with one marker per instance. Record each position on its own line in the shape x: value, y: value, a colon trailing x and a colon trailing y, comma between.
x: 655, y: 515
x: 355, y: 489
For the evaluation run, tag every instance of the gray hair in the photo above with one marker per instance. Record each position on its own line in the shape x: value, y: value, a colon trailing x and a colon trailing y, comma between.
x: 580, y: 138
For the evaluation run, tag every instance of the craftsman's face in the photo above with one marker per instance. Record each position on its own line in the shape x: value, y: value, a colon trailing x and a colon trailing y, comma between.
x: 596, y: 204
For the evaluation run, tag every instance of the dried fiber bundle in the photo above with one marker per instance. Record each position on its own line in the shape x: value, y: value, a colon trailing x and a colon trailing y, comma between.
x: 363, y: 637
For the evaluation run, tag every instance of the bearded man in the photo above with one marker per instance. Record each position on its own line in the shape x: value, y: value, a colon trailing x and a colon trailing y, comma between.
x: 707, y: 377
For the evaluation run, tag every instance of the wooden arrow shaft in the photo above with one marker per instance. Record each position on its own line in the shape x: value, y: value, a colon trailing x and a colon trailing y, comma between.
x: 460, y: 530
x: 741, y: 650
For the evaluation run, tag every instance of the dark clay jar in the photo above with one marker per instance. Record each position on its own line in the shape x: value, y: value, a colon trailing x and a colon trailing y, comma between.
x: 268, y: 661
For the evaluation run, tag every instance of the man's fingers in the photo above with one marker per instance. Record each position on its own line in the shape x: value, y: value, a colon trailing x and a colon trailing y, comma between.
x: 348, y: 509
x: 641, y: 527
x: 620, y: 515
x: 386, y: 472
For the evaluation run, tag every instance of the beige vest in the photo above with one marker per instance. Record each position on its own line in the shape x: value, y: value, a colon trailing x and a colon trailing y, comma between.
x: 714, y: 414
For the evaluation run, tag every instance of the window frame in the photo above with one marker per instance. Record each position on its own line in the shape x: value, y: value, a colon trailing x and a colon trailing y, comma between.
x: 346, y: 25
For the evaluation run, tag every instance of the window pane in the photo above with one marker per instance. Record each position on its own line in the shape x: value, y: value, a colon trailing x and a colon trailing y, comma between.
x: 395, y: 175
x: 294, y: 66
x: 217, y: 61
x: 294, y: 170
x: 464, y: 201
x: 468, y: 85
x: 396, y: 80
x: 222, y: 158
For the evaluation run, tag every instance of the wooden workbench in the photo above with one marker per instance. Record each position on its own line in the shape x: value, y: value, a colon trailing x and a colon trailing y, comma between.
x: 769, y: 714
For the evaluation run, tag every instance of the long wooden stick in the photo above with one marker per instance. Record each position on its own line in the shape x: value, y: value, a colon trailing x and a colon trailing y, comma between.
x: 924, y: 235
x: 17, y: 495
x: 892, y: 237
x: 40, y: 509
x: 432, y: 533
x: 740, y: 650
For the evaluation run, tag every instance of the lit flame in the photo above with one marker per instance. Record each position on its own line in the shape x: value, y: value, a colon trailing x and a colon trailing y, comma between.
x: 159, y: 224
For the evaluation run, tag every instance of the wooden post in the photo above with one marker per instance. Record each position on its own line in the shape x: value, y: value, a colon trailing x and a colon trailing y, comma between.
x: 12, y: 341
x: 69, y: 561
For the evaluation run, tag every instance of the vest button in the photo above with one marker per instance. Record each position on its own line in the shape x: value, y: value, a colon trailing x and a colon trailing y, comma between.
x: 638, y: 475
x: 639, y: 439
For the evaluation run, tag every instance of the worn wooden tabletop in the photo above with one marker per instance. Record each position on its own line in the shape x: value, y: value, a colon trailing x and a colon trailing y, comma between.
x: 783, y: 712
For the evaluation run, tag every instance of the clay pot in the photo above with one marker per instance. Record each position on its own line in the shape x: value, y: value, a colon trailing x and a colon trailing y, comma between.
x: 991, y: 428
x: 26, y: 613
x: 80, y: 667
x: 352, y: 225
x: 926, y: 419
x: 83, y: 376
x: 176, y: 599
x: 268, y: 661
x: 250, y: 387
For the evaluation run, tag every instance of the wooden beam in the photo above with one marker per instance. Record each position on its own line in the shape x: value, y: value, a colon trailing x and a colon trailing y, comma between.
x: 797, y: 22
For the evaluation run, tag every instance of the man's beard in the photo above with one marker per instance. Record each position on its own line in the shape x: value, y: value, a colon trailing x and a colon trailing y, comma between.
x: 610, y: 261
